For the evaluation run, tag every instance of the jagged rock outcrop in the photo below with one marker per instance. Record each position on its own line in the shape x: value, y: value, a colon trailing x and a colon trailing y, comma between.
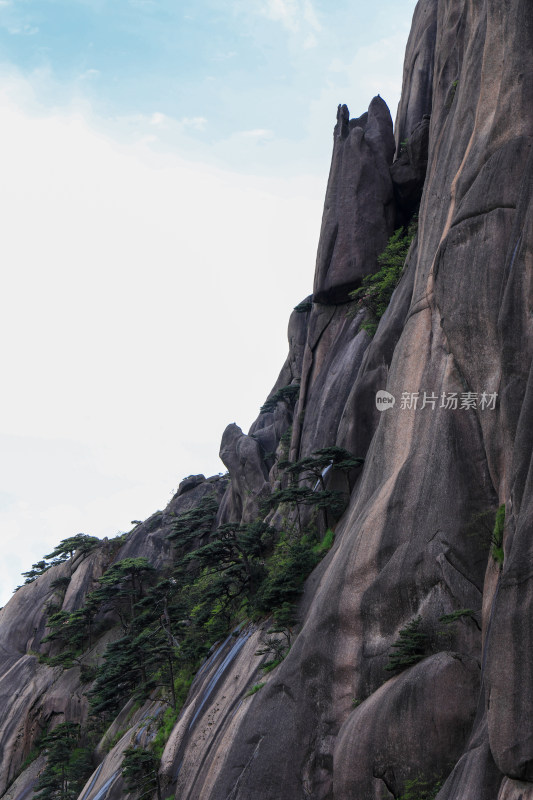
x: 243, y: 457
x: 359, y: 208
x: 270, y: 425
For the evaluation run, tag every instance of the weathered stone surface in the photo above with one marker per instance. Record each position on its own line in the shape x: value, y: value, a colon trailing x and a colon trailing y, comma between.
x: 23, y: 786
x: 360, y: 416
x: 253, y: 458
x: 334, y: 352
x: 243, y: 457
x: 189, y: 483
x: 217, y: 702
x: 138, y: 728
x: 416, y: 723
x: 359, y: 209
x: 515, y: 790
x: 418, y: 71
x: 414, y: 540
x: 270, y: 426
x: 475, y: 774
x: 149, y: 539
x: 409, y: 172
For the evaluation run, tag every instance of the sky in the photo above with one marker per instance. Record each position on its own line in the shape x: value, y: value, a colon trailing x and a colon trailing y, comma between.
x: 163, y: 167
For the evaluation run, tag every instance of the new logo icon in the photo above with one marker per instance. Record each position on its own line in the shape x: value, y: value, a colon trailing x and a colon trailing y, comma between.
x: 384, y: 400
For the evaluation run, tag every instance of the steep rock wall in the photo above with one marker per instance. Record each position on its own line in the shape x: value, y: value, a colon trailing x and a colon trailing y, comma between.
x: 415, y: 540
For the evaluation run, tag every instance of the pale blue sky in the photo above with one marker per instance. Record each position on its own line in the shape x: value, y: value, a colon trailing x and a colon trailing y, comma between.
x: 246, y: 82
x: 163, y: 173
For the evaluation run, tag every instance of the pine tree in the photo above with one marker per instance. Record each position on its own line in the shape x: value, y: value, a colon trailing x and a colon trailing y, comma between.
x: 411, y: 646
x: 68, y: 765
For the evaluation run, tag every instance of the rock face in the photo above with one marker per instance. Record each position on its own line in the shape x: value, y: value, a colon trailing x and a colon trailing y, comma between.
x: 415, y: 540
x: 414, y: 559
x: 359, y: 210
x: 419, y: 70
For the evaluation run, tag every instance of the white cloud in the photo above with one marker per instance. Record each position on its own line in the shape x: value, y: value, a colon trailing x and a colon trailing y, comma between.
x: 22, y: 30
x: 224, y: 56
x: 158, y: 119
x: 284, y: 11
x: 310, y: 15
x: 196, y: 123
x: 294, y: 15
x: 89, y: 74
x: 163, y: 121
x: 257, y: 134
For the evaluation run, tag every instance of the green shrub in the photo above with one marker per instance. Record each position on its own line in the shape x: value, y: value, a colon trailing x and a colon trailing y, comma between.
x: 376, y: 290
x: 110, y: 743
x: 88, y: 673
x: 451, y: 95
x: 321, y: 548
x: 266, y: 668
x: 254, y: 689
x: 420, y: 788
x: 163, y: 734
x: 290, y: 564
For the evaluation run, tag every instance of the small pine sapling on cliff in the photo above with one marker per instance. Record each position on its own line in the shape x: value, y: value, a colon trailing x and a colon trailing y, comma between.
x: 410, y: 647
x: 287, y: 394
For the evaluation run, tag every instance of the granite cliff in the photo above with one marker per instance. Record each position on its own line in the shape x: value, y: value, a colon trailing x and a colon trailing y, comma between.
x: 401, y: 666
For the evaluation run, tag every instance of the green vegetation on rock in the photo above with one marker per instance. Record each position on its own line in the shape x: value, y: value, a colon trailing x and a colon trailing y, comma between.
x: 304, y: 307
x: 68, y: 764
x: 287, y: 394
x: 139, y: 770
x: 410, y: 647
x: 65, y: 550
x: 160, y: 625
x: 376, y: 290
x: 255, y: 689
x: 420, y: 788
